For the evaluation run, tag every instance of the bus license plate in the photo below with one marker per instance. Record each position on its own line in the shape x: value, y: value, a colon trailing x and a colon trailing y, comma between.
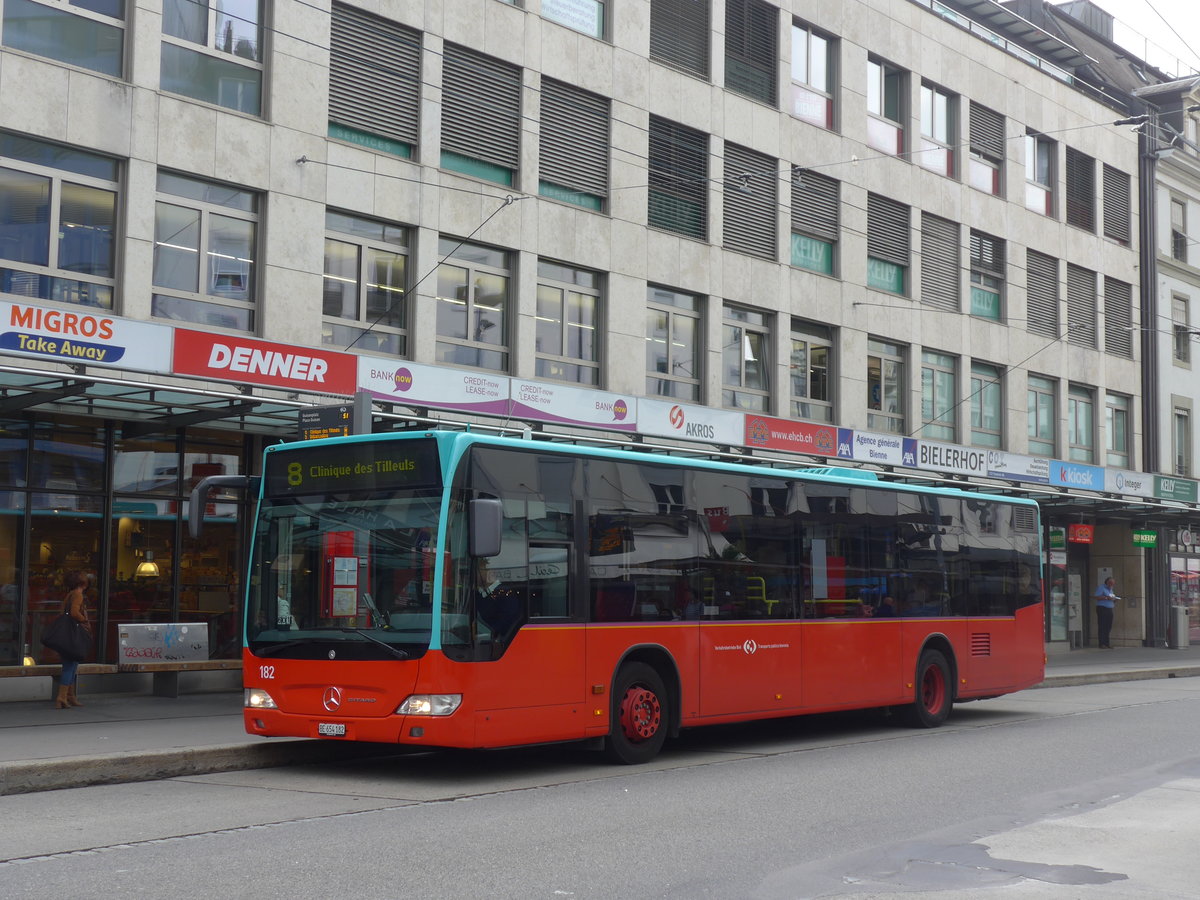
x: 331, y: 729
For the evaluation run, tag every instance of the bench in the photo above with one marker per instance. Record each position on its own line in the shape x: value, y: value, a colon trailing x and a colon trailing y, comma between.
x: 54, y: 670
x: 166, y: 672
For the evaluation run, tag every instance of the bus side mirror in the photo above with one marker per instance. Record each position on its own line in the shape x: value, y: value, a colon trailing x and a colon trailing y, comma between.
x: 486, y: 522
x: 199, y: 496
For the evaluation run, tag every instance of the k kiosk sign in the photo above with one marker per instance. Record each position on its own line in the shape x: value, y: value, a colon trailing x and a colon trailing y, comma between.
x: 229, y: 358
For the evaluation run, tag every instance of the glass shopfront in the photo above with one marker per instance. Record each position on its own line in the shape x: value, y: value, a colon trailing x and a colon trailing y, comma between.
x: 78, y: 495
x: 1185, y: 590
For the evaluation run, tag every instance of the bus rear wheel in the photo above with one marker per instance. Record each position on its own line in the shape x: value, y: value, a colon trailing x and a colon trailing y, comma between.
x: 932, y: 692
x: 639, y: 717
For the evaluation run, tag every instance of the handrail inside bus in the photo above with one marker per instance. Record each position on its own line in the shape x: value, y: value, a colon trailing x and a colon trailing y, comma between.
x: 198, y: 499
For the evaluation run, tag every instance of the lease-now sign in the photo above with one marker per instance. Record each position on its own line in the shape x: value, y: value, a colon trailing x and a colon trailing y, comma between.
x: 230, y: 358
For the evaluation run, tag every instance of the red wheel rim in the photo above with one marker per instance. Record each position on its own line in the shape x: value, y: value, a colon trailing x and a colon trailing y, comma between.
x: 933, y: 689
x: 641, y: 714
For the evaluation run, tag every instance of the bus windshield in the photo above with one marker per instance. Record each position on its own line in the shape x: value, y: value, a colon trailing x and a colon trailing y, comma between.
x: 344, y: 573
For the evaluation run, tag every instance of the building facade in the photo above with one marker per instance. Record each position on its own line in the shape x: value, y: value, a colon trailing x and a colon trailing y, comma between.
x: 895, y: 234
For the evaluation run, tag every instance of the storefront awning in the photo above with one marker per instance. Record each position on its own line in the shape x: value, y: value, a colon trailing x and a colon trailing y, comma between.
x: 148, y: 408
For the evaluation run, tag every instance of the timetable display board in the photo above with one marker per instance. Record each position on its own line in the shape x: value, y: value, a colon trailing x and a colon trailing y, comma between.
x: 325, y: 422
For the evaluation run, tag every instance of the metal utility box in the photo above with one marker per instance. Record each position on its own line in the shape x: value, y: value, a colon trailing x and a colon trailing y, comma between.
x: 162, y: 642
x: 1177, y: 628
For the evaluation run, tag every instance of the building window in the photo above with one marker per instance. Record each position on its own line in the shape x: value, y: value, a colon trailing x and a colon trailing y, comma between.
x: 888, y: 244
x: 813, y: 72
x: 987, y: 149
x: 941, y: 269
x: 377, y: 113
x: 481, y: 115
x: 939, y: 396
x: 745, y: 359
x: 811, y: 371
x: 1041, y: 294
x: 814, y: 221
x: 678, y: 196
x: 566, y: 341
x: 987, y: 275
x: 1118, y: 317
x: 212, y: 51
x: 1041, y: 407
x: 672, y: 344
x: 987, y: 405
x: 1081, y: 190
x: 1081, y: 306
x: 1081, y: 424
x: 939, y: 132
x: 1180, y: 316
x: 1181, y: 440
x: 752, y: 49
x: 89, y: 34
x: 472, y: 305
x: 366, y: 264
x: 1117, y: 209
x: 205, y: 252
x: 587, y: 16
x: 886, y: 88
x: 573, y: 145
x: 1116, y: 429
x: 1179, y: 239
x: 751, y: 207
x: 58, y: 214
x: 1039, y: 174
x: 679, y: 31
x: 885, y: 386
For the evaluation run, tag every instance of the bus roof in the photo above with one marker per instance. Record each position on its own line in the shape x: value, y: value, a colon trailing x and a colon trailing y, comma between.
x: 455, y: 442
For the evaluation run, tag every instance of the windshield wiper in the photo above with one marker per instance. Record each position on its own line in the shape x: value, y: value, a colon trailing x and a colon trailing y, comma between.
x: 395, y: 651
x: 283, y: 645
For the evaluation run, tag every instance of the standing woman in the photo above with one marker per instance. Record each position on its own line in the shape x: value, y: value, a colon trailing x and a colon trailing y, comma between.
x: 74, y: 607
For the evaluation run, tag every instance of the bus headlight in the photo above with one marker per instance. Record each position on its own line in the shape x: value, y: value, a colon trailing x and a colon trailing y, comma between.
x: 257, y: 698
x: 430, y: 705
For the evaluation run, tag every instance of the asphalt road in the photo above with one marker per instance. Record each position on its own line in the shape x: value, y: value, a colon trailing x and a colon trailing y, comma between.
x: 1073, y: 792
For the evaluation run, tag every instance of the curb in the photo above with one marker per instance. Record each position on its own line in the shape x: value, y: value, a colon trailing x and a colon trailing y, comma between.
x: 1110, y: 677
x: 27, y: 777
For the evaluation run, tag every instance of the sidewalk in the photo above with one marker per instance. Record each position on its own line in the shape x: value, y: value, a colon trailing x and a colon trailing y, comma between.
x: 134, y: 737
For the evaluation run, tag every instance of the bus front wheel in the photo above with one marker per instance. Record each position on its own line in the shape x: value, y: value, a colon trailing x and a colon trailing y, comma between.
x: 932, y: 692
x: 639, y: 716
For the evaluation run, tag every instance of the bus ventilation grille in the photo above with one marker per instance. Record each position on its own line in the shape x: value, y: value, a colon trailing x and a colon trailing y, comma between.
x: 981, y: 644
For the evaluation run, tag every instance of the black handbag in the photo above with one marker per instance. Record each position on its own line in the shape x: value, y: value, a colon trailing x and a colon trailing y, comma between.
x: 68, y: 638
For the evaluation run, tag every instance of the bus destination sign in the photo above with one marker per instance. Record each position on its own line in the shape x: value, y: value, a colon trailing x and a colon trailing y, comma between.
x: 325, y: 422
x: 360, y: 466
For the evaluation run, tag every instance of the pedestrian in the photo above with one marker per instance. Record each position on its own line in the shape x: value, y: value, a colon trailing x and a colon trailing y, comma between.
x: 73, y: 606
x: 1106, y: 601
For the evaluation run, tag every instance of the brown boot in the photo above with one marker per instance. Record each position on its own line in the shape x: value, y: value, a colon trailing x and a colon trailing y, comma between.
x: 60, y: 702
x: 72, y: 698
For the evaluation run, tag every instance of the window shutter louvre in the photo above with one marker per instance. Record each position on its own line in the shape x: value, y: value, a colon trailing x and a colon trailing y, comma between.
x: 987, y: 132
x: 1116, y: 204
x: 940, y: 267
x: 987, y: 254
x: 1081, y: 306
x: 1041, y: 293
x: 678, y: 178
x: 1081, y: 190
x: 815, y: 206
x: 751, y: 211
x: 574, y: 138
x: 751, y: 49
x: 481, y: 107
x: 888, y: 230
x: 374, y: 74
x: 679, y: 34
x: 1118, y: 317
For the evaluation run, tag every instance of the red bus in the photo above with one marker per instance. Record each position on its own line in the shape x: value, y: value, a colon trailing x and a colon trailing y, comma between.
x: 452, y: 589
